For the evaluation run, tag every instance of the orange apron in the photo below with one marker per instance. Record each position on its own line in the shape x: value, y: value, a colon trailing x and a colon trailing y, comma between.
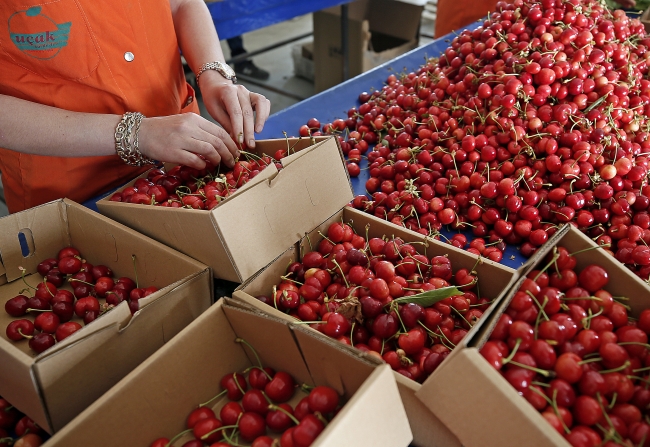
x: 86, y: 56
x: 455, y: 14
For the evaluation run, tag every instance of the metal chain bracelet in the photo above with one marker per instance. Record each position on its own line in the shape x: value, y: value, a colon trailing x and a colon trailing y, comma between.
x: 126, y: 140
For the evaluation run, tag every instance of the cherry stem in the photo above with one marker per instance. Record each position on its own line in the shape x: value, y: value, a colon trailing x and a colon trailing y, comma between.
x: 613, y: 402
x: 321, y: 418
x: 622, y: 343
x: 289, y: 415
x: 591, y: 360
x: 512, y: 353
x: 543, y: 372
x: 647, y: 368
x: 177, y: 437
x: 135, y: 269
x: 22, y: 276
x: 351, y: 333
x: 286, y: 278
x: 306, y: 388
x: 81, y: 281
x: 216, y: 430
x: 590, y: 248
x: 342, y: 273
x: 557, y: 412
x: 20, y: 331
x: 556, y: 255
x: 261, y: 369
x: 461, y: 316
x: 442, y: 334
x: 29, y: 309
x: 7, y: 440
x: 536, y: 391
x: 213, y: 399
x: 241, y: 340
x: 620, y: 368
x: 600, y: 404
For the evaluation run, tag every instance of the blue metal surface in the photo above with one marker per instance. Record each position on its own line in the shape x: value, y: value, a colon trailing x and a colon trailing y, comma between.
x: 335, y: 102
x: 235, y: 17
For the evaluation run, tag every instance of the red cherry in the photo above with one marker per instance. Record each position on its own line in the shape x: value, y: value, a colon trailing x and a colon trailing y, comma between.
x: 66, y: 329
x: 280, y: 388
x: 323, y: 399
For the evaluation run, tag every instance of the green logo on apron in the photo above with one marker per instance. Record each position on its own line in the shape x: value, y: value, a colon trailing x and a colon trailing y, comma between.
x: 47, y: 42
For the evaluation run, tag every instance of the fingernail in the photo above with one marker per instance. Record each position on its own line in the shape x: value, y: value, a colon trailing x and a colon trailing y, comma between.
x: 251, y: 143
x: 258, y: 129
x: 240, y: 139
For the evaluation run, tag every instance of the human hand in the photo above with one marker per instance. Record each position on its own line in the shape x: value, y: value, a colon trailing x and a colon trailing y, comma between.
x: 232, y: 105
x: 182, y: 138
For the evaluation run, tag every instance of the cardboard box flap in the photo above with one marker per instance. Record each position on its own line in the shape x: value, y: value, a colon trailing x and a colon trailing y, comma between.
x: 162, y: 395
x: 111, y: 354
x: 43, y: 231
x: 120, y: 243
x: 427, y: 429
x: 18, y: 383
x: 525, y: 425
x: 54, y: 373
x: 261, y: 225
x: 255, y: 328
x: 352, y: 429
x: 320, y: 351
x: 159, y: 224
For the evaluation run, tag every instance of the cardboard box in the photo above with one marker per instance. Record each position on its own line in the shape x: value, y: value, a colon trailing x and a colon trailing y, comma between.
x: 155, y: 399
x: 379, y: 31
x: 303, y: 60
x: 427, y: 429
x: 257, y: 223
x: 465, y: 391
x: 56, y: 385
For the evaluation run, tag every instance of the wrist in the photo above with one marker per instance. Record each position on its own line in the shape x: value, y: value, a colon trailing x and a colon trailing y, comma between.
x: 127, y: 142
x: 218, y: 68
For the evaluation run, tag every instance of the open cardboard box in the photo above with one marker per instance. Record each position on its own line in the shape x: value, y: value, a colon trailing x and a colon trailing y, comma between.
x: 250, y: 228
x: 56, y: 385
x: 379, y: 31
x: 156, y: 398
x: 494, y: 279
x: 476, y: 402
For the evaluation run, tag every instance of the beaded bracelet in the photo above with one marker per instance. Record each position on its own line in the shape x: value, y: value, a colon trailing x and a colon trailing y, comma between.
x: 126, y: 140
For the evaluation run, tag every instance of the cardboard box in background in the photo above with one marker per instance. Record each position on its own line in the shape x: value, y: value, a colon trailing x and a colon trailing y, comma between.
x: 303, y: 60
x: 465, y: 391
x: 56, y: 385
x: 155, y: 399
x: 253, y: 226
x: 494, y: 279
x: 379, y: 31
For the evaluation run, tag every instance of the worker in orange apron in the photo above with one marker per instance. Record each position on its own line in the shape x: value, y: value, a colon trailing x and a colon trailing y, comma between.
x: 453, y: 15
x: 70, y: 69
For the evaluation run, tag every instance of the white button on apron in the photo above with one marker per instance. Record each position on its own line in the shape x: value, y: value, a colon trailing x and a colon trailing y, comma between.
x: 128, y: 56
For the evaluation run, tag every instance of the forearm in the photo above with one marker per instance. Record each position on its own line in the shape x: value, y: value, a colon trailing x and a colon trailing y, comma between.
x: 42, y: 130
x: 196, y: 34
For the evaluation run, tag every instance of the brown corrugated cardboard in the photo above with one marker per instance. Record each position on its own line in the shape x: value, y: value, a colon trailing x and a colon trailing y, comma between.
x: 466, y: 392
x: 250, y: 228
x: 56, y: 385
x: 379, y: 31
x: 427, y: 429
x: 155, y: 399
